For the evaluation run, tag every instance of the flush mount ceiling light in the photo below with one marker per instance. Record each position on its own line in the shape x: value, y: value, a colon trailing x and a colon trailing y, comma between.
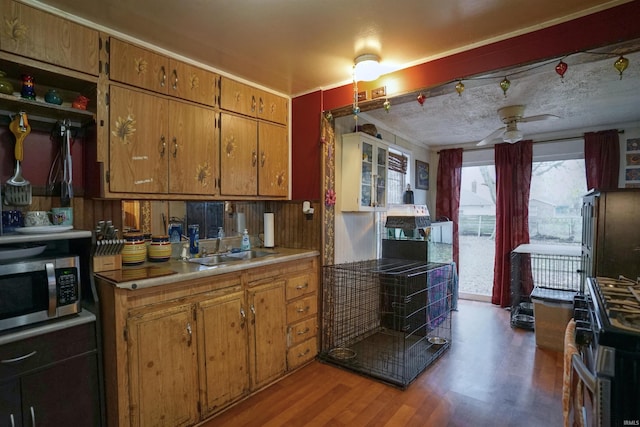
x: 367, y: 67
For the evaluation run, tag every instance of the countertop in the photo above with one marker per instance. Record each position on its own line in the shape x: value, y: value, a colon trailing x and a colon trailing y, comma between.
x: 150, y: 274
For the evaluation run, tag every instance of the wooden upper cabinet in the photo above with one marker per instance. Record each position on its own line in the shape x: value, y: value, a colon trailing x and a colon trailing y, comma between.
x: 39, y: 35
x: 273, y: 160
x: 138, y: 143
x: 249, y: 101
x: 238, y: 156
x: 149, y: 70
x: 192, y: 83
x: 138, y: 67
x: 193, y: 149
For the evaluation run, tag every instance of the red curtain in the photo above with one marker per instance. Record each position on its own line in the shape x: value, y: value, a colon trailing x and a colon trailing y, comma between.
x: 448, y: 191
x: 513, y: 181
x: 602, y: 159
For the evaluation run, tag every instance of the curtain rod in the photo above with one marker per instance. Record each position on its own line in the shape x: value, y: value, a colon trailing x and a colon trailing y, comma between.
x: 542, y: 141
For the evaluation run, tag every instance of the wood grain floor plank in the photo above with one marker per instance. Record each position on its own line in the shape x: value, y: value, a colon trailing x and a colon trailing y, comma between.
x: 493, y: 375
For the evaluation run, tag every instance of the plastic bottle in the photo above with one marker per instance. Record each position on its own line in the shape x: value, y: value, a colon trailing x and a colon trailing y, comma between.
x: 220, y: 233
x: 246, y: 243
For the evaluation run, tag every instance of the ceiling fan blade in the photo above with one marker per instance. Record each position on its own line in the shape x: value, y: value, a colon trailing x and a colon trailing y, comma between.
x: 538, y: 118
x: 493, y: 135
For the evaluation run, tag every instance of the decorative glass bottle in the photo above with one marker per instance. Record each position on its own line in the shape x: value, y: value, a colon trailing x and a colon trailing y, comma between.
x: 5, y: 85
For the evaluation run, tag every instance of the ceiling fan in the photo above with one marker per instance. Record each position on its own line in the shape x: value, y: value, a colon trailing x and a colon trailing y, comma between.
x: 511, y: 116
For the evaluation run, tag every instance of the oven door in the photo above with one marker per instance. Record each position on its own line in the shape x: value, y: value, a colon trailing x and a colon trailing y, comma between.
x: 27, y: 295
x: 596, y: 407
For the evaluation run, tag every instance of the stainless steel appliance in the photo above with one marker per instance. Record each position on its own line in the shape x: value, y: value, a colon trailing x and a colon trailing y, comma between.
x: 608, y: 335
x: 38, y: 289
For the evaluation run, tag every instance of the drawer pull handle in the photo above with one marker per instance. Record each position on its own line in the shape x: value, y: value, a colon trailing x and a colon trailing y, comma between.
x: 303, y: 309
x: 13, y: 421
x: 243, y: 317
x: 18, y: 359
x: 33, y: 416
x: 163, y: 76
x: 304, y: 331
x: 300, y: 287
x: 304, y: 353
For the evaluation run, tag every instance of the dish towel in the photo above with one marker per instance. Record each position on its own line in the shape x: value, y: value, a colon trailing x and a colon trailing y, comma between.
x: 572, y: 398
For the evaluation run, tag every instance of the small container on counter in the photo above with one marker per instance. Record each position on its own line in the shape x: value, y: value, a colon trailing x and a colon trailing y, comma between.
x: 194, y: 239
x: 159, y: 249
x: 135, y: 249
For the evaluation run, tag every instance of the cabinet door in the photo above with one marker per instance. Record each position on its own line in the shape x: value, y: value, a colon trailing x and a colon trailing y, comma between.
x: 238, y: 156
x: 10, y: 408
x: 268, y: 332
x: 237, y: 97
x: 272, y: 107
x: 224, y: 371
x: 138, y: 67
x: 163, y: 365
x: 273, y: 167
x: 40, y: 35
x: 65, y: 394
x: 380, y: 177
x: 192, y: 149
x: 192, y: 83
x: 138, y: 145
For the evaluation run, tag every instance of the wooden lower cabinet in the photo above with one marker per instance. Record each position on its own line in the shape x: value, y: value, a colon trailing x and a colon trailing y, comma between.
x: 162, y: 367
x: 268, y: 339
x: 178, y: 353
x: 222, y: 341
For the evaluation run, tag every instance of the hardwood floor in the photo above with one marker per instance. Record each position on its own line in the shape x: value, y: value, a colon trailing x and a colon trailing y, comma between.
x: 492, y: 375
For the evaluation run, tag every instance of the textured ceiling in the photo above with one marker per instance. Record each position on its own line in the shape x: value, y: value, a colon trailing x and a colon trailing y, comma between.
x: 295, y: 47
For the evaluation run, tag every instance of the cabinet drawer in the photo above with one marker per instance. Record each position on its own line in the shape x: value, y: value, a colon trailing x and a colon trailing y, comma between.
x: 299, y: 286
x: 22, y: 356
x: 305, y: 307
x: 302, y: 331
x: 302, y: 353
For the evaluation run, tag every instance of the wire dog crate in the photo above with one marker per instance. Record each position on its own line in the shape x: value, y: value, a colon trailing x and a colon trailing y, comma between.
x: 388, y: 319
x: 551, y: 267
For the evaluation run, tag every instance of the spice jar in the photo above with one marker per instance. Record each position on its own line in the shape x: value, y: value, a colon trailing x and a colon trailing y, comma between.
x: 159, y: 249
x: 5, y: 85
x: 135, y: 249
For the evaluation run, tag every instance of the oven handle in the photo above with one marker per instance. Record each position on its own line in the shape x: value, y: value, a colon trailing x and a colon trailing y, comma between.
x: 583, y: 372
x: 51, y: 282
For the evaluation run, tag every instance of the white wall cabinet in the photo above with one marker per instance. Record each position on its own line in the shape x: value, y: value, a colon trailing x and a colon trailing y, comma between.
x: 364, y: 173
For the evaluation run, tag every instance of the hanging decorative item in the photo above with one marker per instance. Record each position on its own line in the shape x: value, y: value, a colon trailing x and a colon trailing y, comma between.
x: 621, y: 64
x: 504, y: 85
x: 421, y: 99
x: 460, y: 87
x: 386, y: 105
x: 330, y: 197
x: 561, y: 68
x: 328, y: 115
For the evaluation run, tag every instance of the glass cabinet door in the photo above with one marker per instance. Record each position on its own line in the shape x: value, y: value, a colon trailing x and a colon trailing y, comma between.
x: 366, y: 185
x: 381, y: 178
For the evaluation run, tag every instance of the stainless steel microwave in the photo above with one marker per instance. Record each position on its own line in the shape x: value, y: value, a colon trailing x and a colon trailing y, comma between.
x: 38, y: 289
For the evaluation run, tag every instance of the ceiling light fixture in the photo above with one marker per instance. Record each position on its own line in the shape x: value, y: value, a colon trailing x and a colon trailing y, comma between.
x: 367, y: 68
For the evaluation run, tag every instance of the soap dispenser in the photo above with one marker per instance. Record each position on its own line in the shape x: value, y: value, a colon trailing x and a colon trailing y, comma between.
x: 246, y: 243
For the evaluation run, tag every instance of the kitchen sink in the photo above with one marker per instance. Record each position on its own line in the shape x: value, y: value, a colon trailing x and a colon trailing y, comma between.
x: 249, y: 254
x: 217, y: 259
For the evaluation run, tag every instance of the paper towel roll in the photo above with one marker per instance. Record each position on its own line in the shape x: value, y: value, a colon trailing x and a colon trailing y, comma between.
x: 268, y: 230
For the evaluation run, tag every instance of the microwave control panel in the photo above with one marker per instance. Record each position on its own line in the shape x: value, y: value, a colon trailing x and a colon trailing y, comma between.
x: 67, y: 285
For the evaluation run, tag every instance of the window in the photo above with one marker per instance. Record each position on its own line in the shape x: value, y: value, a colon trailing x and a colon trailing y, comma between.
x: 397, y: 176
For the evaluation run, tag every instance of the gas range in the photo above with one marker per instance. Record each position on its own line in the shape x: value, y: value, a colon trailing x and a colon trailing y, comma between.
x: 615, y: 304
x: 608, y: 335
